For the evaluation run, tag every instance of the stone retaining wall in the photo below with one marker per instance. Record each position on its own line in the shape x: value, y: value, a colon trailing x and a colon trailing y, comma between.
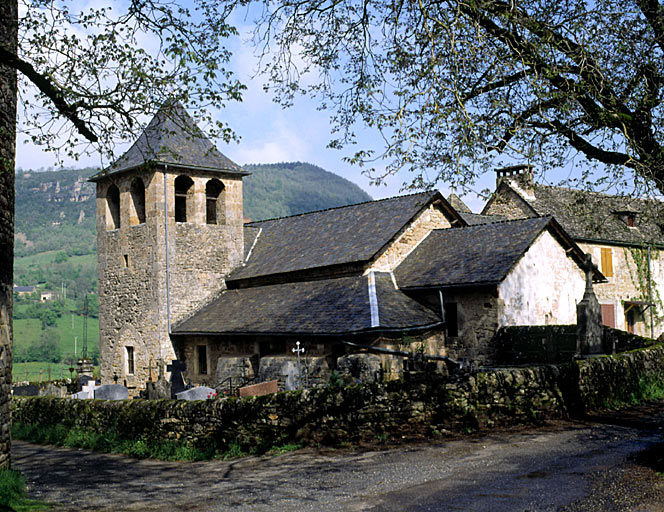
x: 366, y: 412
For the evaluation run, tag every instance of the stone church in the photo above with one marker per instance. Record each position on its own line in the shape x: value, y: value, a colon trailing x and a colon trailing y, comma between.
x: 182, y: 276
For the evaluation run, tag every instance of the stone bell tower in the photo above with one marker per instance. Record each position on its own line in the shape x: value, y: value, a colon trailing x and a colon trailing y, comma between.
x: 169, y: 229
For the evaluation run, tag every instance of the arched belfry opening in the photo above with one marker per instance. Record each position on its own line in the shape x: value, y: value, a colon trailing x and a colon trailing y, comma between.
x: 113, y: 207
x: 214, y: 202
x: 184, y: 190
x: 138, y: 200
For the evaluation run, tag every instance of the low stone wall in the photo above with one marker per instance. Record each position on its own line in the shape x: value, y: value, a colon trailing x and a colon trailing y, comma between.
x: 365, y: 412
x: 552, y: 344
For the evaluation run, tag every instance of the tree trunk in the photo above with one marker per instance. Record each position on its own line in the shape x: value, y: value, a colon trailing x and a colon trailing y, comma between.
x: 8, y: 93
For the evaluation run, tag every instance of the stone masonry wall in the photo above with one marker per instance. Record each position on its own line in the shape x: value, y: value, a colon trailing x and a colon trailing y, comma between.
x: 508, y: 204
x: 477, y: 319
x: 132, y: 268
x: 334, y: 415
x: 409, y: 238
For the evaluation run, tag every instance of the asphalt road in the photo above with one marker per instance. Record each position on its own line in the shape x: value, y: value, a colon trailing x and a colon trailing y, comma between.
x: 600, y: 465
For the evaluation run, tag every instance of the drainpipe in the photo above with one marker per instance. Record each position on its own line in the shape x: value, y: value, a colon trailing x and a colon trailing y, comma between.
x: 442, y: 307
x: 168, y: 268
x: 652, y: 327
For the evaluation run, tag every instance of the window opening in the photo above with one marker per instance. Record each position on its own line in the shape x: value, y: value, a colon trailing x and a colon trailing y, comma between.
x: 183, y: 188
x: 214, y: 202
x: 451, y: 319
x: 202, y: 359
x: 138, y: 199
x: 130, y: 360
x: 126, y: 260
x: 113, y: 201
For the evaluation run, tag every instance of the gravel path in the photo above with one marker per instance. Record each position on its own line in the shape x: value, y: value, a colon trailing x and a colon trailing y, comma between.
x: 572, y: 466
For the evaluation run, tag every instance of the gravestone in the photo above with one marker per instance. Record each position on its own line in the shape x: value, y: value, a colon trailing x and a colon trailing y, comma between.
x: 53, y: 390
x: 589, y: 330
x: 264, y: 388
x: 281, y: 368
x: 28, y: 390
x: 178, y: 383
x: 111, y: 392
x: 88, y: 391
x: 360, y: 367
x: 197, y: 393
x: 158, y: 390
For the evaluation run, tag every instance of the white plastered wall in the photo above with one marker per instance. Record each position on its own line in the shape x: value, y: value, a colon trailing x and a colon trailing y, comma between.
x: 543, y: 287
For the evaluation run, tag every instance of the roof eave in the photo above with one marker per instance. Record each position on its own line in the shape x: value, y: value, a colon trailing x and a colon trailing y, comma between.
x: 357, y: 332
x: 621, y: 243
x: 448, y: 285
x: 106, y: 173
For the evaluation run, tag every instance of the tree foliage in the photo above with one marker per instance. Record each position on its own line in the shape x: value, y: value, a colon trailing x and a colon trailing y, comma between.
x: 93, y: 75
x: 457, y: 87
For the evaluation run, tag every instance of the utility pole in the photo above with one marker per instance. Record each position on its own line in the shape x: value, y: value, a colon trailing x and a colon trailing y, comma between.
x: 85, y: 328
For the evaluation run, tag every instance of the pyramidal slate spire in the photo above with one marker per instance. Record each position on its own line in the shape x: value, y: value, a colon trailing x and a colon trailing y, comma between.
x: 172, y: 138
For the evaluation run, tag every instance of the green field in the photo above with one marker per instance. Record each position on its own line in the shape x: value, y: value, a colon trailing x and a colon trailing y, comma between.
x: 45, y: 258
x: 30, y: 371
x: 27, y: 331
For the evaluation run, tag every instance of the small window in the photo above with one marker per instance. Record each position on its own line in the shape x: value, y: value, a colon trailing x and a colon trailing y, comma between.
x: 130, y: 360
x: 138, y: 201
x: 184, y: 187
x: 214, y: 197
x: 607, y: 262
x: 451, y: 319
x: 631, y: 220
x: 202, y: 359
x: 126, y: 260
x: 113, y: 211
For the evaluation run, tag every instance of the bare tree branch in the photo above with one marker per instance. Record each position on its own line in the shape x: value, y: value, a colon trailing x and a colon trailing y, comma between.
x: 45, y: 85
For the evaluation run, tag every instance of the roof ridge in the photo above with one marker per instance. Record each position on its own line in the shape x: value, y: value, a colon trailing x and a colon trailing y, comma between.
x: 501, y: 221
x: 250, y: 224
x: 594, y: 192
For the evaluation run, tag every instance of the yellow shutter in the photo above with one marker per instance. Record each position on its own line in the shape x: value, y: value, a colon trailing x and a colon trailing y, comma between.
x: 607, y: 263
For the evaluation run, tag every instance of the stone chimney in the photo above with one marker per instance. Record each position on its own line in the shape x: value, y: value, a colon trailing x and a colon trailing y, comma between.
x: 522, y: 173
x: 519, y: 177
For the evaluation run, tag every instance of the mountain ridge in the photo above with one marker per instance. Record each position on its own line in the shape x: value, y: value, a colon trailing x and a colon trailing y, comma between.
x: 55, y: 210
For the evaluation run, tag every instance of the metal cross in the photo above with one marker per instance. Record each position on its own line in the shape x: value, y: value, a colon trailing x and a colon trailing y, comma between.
x: 299, y: 351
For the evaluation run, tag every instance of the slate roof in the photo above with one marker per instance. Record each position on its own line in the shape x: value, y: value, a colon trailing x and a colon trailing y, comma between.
x: 592, y: 216
x: 458, y: 204
x: 473, y: 219
x: 327, y: 307
x: 24, y: 289
x: 343, y: 235
x: 474, y: 255
x: 173, y: 138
